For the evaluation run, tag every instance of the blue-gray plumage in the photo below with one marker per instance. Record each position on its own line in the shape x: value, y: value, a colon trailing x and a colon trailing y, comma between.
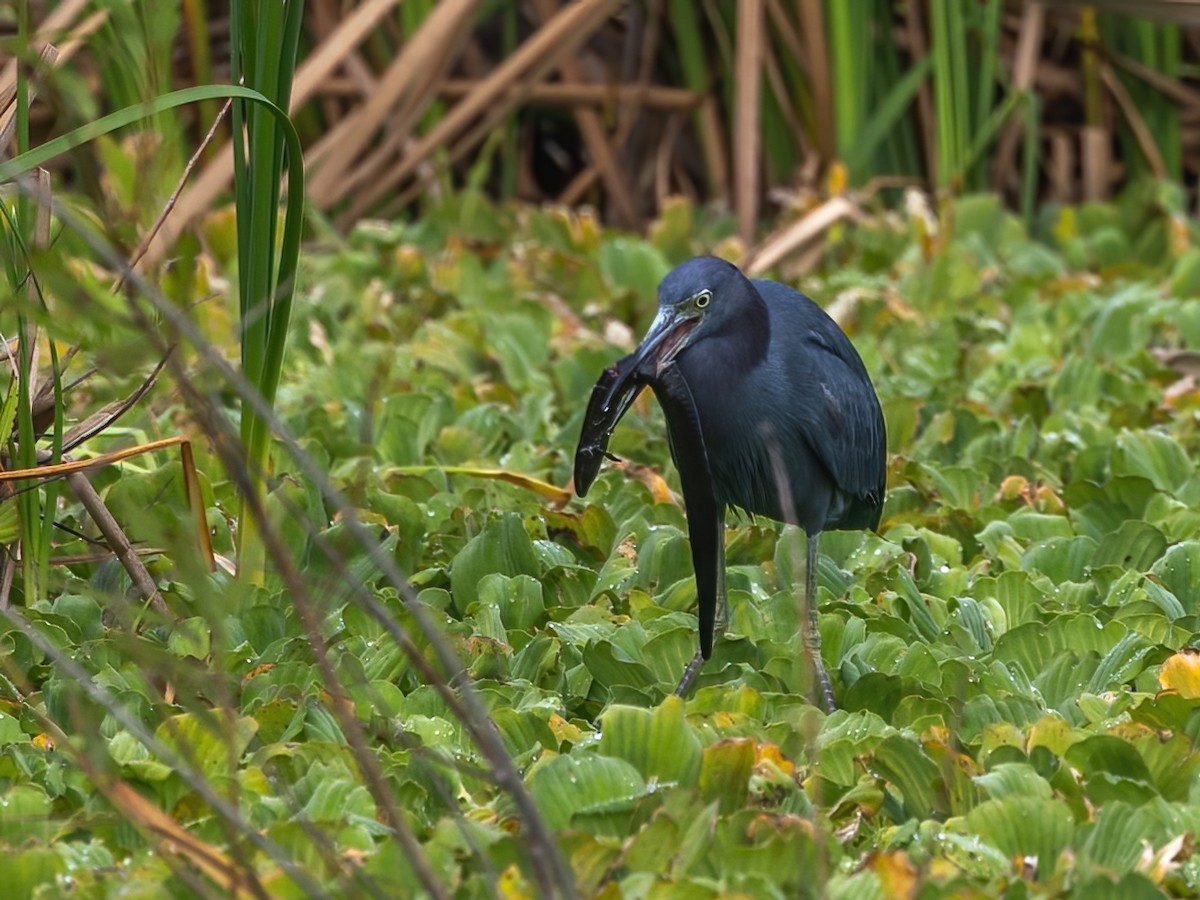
x: 769, y: 408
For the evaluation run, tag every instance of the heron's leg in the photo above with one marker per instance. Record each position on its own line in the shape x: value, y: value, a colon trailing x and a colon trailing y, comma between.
x: 689, y: 674
x: 812, y: 630
x: 722, y: 621
x: 722, y: 616
x: 697, y: 663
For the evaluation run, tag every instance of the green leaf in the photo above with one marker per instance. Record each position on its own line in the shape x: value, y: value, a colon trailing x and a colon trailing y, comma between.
x: 1120, y: 664
x: 844, y: 737
x: 1131, y: 886
x: 1151, y: 455
x: 263, y: 625
x: 632, y: 266
x: 1105, y: 753
x: 503, y: 547
x: 525, y: 732
x: 1061, y: 559
x: 190, y: 637
x: 1179, y: 571
x: 580, y: 783
x: 914, y: 605
x: 10, y: 731
x: 1135, y: 545
x: 725, y: 772
x: 127, y: 751
x: 659, y: 742
x: 1034, y: 645
x: 83, y: 612
x: 337, y: 799
x: 1112, y: 770
x: 25, y: 814
x: 1025, y: 827
x: 762, y: 852
x: 31, y: 870
x: 905, y: 764
x: 610, y: 667
x: 1016, y: 593
x: 670, y: 651
x: 695, y: 841
x: 1014, y: 779
x: 209, y: 742
x: 519, y: 599
x: 1029, y: 525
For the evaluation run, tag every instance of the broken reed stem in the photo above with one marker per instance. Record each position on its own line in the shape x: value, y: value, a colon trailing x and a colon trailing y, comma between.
x: 117, y: 541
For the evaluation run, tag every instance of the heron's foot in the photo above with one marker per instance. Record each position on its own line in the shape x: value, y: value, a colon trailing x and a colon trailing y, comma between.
x: 689, y: 675
x: 824, y: 686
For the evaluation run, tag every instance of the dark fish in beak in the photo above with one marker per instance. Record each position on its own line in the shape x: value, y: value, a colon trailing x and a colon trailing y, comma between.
x: 619, y: 386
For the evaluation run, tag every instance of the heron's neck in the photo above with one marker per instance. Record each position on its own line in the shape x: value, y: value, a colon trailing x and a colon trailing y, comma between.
x: 744, y: 340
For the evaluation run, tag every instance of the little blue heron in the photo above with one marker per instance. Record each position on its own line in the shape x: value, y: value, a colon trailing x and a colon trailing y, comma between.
x: 769, y: 408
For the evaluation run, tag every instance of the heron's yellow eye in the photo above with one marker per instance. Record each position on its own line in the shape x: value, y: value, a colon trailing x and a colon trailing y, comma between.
x: 703, y: 299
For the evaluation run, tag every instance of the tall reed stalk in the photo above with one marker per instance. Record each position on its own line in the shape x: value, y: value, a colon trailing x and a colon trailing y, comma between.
x: 265, y: 35
x: 34, y: 523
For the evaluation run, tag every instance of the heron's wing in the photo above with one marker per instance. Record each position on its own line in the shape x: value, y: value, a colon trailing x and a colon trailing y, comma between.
x: 840, y: 418
x: 617, y: 388
x: 847, y: 430
x: 706, y: 517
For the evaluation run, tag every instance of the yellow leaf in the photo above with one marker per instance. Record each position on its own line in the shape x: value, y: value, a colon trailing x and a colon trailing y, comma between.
x: 1181, y: 673
x: 1012, y: 488
x: 260, y: 669
x: 553, y: 493
x: 513, y: 886
x: 837, y: 180
x: 564, y: 730
x: 897, y: 874
x: 722, y: 719
x: 1053, y: 733
x: 1066, y: 227
x: 1048, y: 501
x: 1180, y: 236
x: 651, y: 479
x: 770, y: 753
x: 782, y: 824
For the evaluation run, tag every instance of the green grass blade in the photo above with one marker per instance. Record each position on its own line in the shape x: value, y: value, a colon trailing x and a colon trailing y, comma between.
x: 30, y: 511
x: 43, y: 153
x: 52, y: 488
x: 849, y: 39
x: 264, y: 57
x: 1029, y: 174
x: 991, y: 127
x: 989, y: 34
x: 887, y: 115
x: 942, y: 93
x: 949, y: 49
x: 899, y: 153
x: 693, y: 60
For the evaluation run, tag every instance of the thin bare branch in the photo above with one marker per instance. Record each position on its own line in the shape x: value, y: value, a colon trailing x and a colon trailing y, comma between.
x: 493, y: 99
x: 747, y: 112
x: 591, y: 127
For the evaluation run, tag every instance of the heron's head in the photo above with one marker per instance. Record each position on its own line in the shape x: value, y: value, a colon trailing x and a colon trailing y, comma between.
x: 695, y: 300
x: 698, y: 298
